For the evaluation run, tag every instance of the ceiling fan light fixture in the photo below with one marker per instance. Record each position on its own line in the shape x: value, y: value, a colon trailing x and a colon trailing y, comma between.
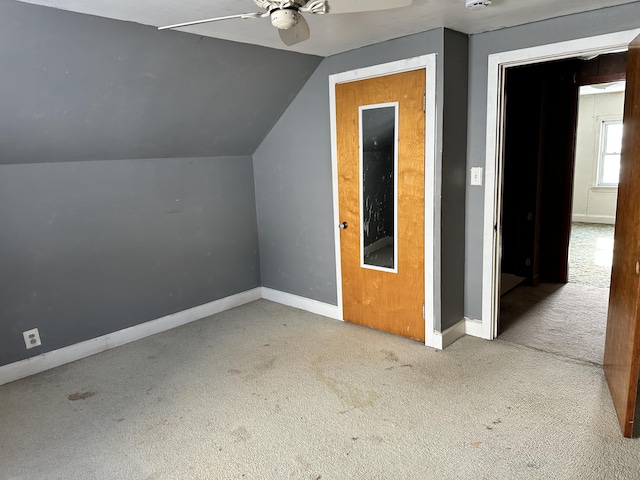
x: 285, y: 18
x: 477, y: 4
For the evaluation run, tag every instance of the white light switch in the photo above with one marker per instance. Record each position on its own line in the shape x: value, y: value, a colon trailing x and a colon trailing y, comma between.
x: 476, y: 176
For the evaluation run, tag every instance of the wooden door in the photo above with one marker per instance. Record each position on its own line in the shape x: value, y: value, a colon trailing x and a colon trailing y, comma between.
x: 622, y: 345
x: 388, y: 297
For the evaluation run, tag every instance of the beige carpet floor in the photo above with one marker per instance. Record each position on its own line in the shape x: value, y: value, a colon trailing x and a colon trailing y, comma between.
x: 568, y: 320
x: 571, y: 319
x: 265, y: 391
x: 590, y: 254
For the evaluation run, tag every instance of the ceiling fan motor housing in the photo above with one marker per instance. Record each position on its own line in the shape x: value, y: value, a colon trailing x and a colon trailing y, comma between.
x: 284, y: 18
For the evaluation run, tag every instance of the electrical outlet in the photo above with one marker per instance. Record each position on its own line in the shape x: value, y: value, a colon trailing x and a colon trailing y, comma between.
x: 476, y: 176
x: 32, y: 338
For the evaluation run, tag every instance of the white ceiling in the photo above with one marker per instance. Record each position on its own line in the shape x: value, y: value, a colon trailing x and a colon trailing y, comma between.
x: 330, y: 34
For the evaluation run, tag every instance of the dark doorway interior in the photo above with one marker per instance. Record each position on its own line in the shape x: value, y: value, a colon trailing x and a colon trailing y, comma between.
x: 540, y: 123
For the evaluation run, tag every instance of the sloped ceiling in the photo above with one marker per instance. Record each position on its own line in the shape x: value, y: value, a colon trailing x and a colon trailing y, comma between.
x: 76, y: 87
x: 331, y: 33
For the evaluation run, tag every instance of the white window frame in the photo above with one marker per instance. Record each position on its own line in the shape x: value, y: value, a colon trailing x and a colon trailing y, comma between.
x: 604, y: 124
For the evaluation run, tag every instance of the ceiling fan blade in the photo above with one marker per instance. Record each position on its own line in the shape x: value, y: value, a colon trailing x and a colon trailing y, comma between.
x: 351, y: 6
x: 296, y: 34
x: 318, y: 7
x: 215, y: 19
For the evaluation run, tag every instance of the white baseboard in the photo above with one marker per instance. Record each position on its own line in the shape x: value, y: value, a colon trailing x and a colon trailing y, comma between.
x: 55, y: 358
x: 466, y: 326
x: 30, y: 366
x: 441, y: 340
x: 579, y: 217
x: 473, y: 328
x: 307, y: 304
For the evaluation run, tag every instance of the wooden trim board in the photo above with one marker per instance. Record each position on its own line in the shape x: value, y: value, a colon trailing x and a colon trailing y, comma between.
x: 307, y: 304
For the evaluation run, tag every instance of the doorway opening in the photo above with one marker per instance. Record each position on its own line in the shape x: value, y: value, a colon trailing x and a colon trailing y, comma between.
x: 596, y: 177
x: 622, y: 352
x: 498, y: 64
x: 562, y: 139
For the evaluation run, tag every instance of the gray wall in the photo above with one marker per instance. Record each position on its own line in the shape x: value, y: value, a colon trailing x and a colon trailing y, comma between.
x: 108, y: 219
x: 88, y: 248
x: 93, y: 239
x: 75, y: 87
x: 292, y: 170
x: 588, y: 24
x: 453, y: 177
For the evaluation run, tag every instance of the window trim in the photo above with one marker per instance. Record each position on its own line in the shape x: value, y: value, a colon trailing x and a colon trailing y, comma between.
x: 396, y: 119
x: 604, y: 124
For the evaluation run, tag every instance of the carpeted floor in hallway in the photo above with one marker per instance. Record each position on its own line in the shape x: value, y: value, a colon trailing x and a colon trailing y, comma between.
x: 571, y: 319
x: 590, y: 254
x: 568, y: 320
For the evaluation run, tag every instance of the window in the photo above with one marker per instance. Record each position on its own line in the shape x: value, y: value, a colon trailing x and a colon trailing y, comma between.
x: 609, y: 159
x: 379, y: 187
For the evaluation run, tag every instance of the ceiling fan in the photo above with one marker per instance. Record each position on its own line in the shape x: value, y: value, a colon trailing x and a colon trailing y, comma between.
x: 287, y: 17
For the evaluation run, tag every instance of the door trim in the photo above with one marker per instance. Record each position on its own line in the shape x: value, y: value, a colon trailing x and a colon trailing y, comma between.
x: 428, y: 62
x: 498, y: 63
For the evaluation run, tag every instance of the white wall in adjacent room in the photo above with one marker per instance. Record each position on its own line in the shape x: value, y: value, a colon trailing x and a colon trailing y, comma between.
x: 591, y: 203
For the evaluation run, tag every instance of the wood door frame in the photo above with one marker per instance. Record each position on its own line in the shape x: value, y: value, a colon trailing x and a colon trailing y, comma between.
x: 428, y: 63
x: 498, y: 63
